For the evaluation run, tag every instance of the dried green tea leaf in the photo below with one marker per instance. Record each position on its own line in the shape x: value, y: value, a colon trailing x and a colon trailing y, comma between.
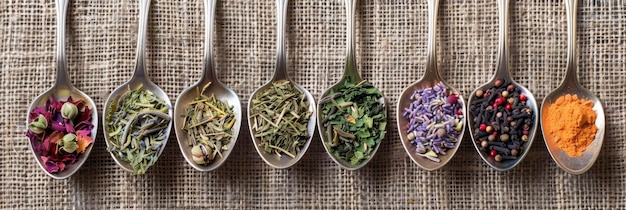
x: 280, y: 115
x: 138, y: 127
x: 208, y: 124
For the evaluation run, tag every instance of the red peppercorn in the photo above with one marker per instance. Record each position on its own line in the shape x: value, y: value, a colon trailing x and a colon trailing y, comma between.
x: 508, y: 107
x: 499, y: 101
x: 522, y: 97
x: 493, y: 153
x: 459, y: 112
x: 483, y: 127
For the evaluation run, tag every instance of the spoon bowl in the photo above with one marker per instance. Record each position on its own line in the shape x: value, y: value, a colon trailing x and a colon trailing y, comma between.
x: 62, y: 90
x: 139, y: 80
x: 503, y: 74
x: 505, y: 165
x: 570, y: 85
x: 217, y: 88
x: 350, y: 75
x: 575, y: 165
x: 430, y: 79
x: 283, y: 161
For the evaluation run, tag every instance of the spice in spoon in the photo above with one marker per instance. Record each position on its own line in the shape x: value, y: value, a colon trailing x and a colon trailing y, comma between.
x: 570, y: 121
x: 355, y: 121
x: 502, y: 120
x: 59, y: 132
x: 279, y: 116
x: 208, y: 124
x: 137, y: 129
x: 435, y: 121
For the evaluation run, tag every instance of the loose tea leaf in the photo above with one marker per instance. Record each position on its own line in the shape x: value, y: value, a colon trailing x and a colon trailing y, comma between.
x: 208, y: 124
x: 279, y: 117
x: 355, y: 121
x: 137, y: 129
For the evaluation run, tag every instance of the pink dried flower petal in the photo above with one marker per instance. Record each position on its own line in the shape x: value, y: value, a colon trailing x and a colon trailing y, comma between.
x: 68, y: 127
x: 50, y: 165
x: 84, y: 126
x: 61, y: 166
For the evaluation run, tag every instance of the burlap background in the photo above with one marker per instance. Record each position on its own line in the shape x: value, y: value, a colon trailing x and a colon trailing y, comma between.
x: 391, y: 47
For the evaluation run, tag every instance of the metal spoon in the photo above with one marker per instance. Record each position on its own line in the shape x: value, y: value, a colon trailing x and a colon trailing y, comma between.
x: 429, y: 80
x: 570, y: 85
x: 350, y: 74
x: 221, y: 91
x: 62, y: 89
x: 502, y: 72
x: 281, y: 75
x: 139, y: 79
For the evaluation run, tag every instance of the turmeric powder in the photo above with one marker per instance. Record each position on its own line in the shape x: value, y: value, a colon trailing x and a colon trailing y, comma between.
x: 570, y: 122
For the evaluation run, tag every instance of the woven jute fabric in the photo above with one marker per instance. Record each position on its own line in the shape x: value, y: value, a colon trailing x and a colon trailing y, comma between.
x: 391, y: 49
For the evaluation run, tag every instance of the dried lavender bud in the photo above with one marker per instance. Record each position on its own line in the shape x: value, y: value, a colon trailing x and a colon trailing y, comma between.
x: 435, y: 120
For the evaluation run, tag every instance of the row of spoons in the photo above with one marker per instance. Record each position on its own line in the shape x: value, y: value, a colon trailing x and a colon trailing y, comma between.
x: 63, y: 89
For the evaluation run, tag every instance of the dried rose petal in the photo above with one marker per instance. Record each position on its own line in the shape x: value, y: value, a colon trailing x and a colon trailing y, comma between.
x: 83, y: 140
x: 50, y: 165
x: 47, y: 143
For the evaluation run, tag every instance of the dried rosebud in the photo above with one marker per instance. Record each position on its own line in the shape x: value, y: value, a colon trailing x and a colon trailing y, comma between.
x: 38, y: 125
x: 70, y: 143
x: 201, y: 154
x: 69, y: 111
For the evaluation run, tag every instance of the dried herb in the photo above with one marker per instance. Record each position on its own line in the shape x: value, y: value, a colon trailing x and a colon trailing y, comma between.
x: 137, y: 129
x: 208, y: 124
x: 279, y: 117
x: 355, y: 121
x: 59, y: 132
x: 435, y: 121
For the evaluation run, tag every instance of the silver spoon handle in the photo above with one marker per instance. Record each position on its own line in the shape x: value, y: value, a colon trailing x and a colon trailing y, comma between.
x: 63, y: 77
x: 351, y: 68
x: 431, y: 59
x: 281, y: 60
x: 209, y: 11
x: 571, y: 7
x: 140, y: 65
x: 503, y: 53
